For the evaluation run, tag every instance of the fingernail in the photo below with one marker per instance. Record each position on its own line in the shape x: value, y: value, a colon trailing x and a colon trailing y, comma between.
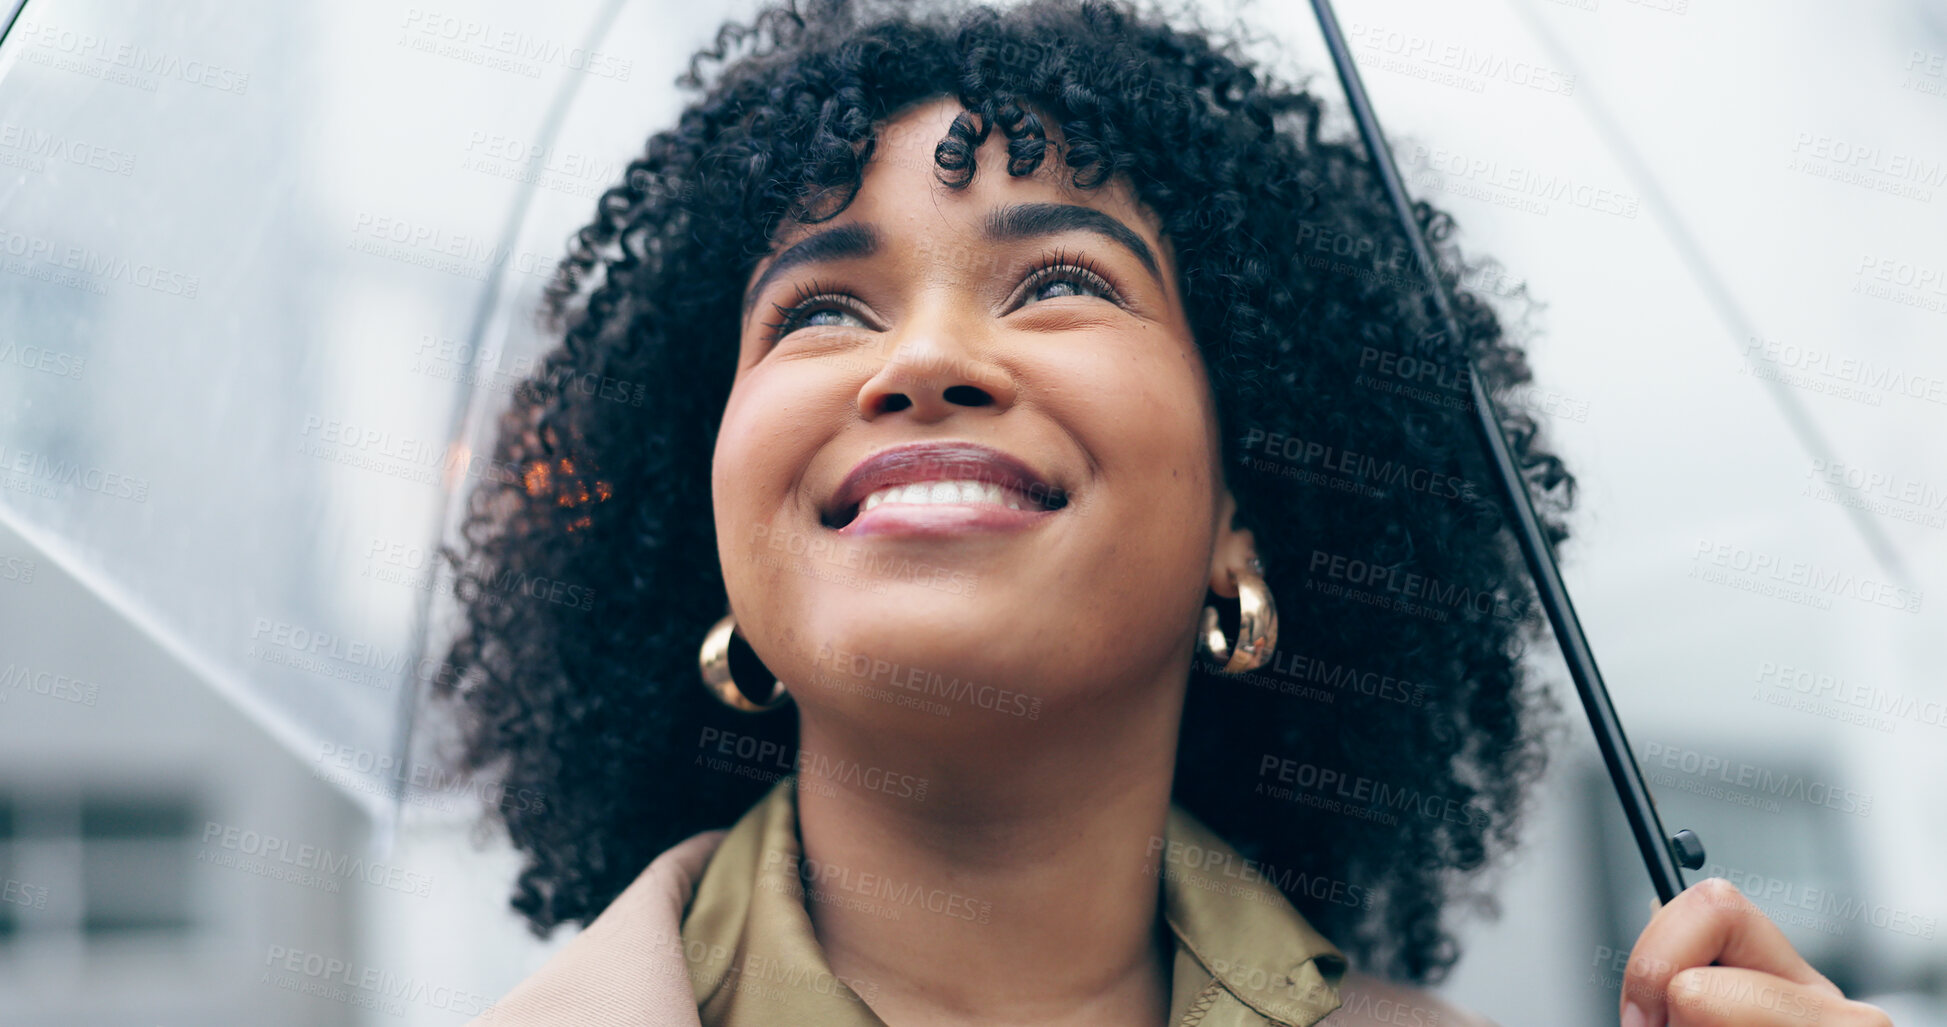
x: 1633, y: 1016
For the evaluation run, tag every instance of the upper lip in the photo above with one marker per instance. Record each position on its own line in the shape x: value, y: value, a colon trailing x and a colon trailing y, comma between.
x: 939, y: 461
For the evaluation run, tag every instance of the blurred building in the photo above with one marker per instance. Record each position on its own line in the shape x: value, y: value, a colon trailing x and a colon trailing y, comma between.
x: 153, y: 839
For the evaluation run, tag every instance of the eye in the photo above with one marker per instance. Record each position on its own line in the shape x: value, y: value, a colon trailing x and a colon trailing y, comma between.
x: 1061, y: 275
x: 815, y: 307
x: 1069, y: 285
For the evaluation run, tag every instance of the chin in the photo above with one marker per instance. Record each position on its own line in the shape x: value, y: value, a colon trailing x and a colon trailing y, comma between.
x: 924, y: 658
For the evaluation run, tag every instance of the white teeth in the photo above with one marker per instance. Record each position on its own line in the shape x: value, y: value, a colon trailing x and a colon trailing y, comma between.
x: 928, y: 493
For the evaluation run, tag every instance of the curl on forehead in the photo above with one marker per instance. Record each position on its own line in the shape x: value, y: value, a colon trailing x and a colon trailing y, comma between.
x: 943, y: 136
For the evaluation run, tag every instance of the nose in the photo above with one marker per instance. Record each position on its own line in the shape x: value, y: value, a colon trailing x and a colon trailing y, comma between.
x: 934, y: 372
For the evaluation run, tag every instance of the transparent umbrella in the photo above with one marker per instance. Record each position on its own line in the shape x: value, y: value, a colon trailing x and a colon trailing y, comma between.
x: 269, y: 272
x: 262, y: 266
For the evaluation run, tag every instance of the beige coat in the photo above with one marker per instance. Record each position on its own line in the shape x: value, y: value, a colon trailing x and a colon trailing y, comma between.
x: 673, y: 949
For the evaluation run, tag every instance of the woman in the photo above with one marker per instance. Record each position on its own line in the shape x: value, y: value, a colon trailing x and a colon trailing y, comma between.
x: 997, y: 365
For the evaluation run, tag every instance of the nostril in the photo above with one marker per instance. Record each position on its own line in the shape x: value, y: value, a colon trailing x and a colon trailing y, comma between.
x: 896, y: 402
x: 968, y: 395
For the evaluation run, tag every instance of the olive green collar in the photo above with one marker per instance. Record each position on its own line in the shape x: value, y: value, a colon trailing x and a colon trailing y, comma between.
x: 1244, y: 957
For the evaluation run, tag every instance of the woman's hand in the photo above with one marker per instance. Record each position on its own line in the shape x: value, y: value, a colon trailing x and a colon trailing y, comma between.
x: 1759, y: 979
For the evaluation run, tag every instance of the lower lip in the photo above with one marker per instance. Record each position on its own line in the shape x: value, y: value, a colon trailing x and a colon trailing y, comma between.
x: 941, y: 519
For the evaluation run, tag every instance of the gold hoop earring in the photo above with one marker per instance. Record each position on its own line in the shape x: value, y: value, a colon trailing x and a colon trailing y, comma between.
x: 1257, y: 624
x: 714, y: 661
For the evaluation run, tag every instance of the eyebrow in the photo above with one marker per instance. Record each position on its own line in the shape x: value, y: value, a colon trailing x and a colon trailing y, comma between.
x: 1006, y: 224
x: 1028, y: 220
x: 842, y: 243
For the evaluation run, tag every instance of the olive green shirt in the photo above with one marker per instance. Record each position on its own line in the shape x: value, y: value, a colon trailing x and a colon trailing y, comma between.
x: 1243, y: 956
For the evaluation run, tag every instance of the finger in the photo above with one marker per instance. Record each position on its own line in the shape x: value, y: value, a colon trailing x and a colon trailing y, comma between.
x: 1710, y: 922
x: 1723, y: 996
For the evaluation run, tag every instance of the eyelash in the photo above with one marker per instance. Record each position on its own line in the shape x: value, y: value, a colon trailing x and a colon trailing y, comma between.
x: 815, y: 295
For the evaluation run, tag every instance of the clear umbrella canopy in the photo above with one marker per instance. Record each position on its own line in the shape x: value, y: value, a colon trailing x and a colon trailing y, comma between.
x: 261, y: 265
x: 270, y: 270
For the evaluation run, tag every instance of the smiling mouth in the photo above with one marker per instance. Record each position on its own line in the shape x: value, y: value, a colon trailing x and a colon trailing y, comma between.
x: 964, y: 482
x: 953, y: 491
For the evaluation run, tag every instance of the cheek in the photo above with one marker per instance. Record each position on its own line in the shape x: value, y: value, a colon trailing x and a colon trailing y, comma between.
x: 1151, y: 430
x: 1147, y: 533
x: 773, y: 426
x: 750, y: 469
x: 1158, y: 423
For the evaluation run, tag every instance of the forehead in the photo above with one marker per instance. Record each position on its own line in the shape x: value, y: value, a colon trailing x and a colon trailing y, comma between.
x: 900, y: 193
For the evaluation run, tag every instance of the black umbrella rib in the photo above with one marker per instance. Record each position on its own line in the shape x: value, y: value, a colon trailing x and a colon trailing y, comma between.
x: 1630, y: 788
x: 13, y: 15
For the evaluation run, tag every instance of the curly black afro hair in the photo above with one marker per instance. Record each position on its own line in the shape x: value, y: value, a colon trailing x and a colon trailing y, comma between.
x: 1372, y: 767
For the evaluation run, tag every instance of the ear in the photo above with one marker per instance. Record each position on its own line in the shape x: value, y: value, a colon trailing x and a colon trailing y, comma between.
x: 1234, y: 550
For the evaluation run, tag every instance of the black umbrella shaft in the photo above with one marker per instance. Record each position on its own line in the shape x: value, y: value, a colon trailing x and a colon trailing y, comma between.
x: 1635, y: 796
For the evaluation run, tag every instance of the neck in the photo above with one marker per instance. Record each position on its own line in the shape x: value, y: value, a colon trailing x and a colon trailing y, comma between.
x: 1032, y: 859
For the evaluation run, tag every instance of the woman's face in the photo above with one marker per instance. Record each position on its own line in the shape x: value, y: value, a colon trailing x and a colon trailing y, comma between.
x: 1072, y: 398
